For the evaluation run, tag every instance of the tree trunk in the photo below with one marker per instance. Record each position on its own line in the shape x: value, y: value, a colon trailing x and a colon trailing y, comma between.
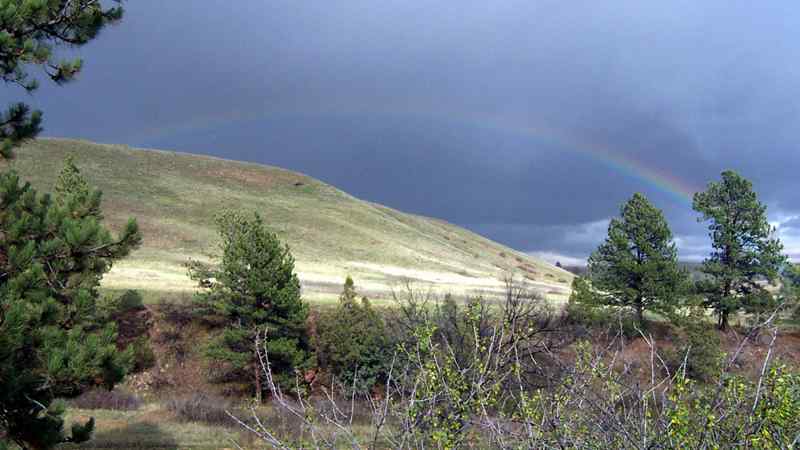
x: 257, y: 374
x: 723, y: 320
x: 640, y: 313
x: 258, y: 383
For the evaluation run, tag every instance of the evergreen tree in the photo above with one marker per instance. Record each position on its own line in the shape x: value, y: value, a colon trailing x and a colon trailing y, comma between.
x: 582, y: 293
x: 790, y: 289
x: 72, y: 185
x: 637, y: 265
x: 29, y: 32
x: 53, y: 254
x: 745, y: 253
x: 253, y: 289
x: 352, y: 341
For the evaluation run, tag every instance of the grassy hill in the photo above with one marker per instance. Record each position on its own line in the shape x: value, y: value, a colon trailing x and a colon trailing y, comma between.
x: 332, y: 234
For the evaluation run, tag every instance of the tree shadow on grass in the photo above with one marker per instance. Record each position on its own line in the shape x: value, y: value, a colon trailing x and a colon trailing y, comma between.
x: 137, y: 435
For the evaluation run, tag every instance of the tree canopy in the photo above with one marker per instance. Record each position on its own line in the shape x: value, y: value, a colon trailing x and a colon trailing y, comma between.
x: 53, y: 344
x: 745, y: 254
x: 253, y: 289
x: 352, y: 341
x: 30, y: 32
x: 637, y: 264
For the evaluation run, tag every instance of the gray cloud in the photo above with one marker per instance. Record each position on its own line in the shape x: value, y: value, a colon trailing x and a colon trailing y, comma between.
x: 475, y: 112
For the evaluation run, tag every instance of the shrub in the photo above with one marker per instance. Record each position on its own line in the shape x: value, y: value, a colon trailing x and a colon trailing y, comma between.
x: 352, y: 342
x: 117, y: 400
x: 111, y: 307
x: 130, y: 301
x: 591, y: 317
x: 700, y: 349
x: 585, y: 315
x: 436, y: 402
x: 532, y: 331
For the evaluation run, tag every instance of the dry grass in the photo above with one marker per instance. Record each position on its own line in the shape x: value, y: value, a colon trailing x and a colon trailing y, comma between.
x: 154, y: 426
x: 332, y: 234
x: 151, y: 427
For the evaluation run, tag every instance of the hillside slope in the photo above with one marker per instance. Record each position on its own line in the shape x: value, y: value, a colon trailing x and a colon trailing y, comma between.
x: 331, y: 234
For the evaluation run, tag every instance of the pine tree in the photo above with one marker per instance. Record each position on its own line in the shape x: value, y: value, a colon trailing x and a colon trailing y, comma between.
x: 351, y: 341
x: 53, y: 254
x: 790, y: 289
x: 745, y: 253
x: 349, y: 295
x: 31, y: 30
x: 253, y: 289
x: 71, y: 184
x: 637, y: 265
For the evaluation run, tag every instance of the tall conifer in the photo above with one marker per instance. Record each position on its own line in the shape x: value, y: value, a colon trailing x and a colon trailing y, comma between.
x: 253, y: 289
x: 53, y: 254
x: 745, y: 252
x: 637, y: 265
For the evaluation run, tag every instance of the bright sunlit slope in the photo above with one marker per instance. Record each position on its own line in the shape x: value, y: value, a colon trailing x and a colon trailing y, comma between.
x: 174, y: 197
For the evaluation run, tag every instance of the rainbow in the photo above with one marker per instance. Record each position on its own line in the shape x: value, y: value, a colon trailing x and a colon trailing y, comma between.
x: 676, y: 188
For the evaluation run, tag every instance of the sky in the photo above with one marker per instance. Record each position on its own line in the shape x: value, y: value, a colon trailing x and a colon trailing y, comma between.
x: 529, y: 122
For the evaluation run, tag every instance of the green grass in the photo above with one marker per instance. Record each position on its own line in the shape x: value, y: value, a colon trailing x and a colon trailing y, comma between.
x: 332, y: 234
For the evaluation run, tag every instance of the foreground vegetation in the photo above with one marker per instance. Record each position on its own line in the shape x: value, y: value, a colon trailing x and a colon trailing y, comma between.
x: 459, y: 378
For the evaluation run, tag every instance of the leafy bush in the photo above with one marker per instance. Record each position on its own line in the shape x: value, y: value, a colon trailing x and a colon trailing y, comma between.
x: 352, y: 342
x: 117, y: 400
x: 435, y: 402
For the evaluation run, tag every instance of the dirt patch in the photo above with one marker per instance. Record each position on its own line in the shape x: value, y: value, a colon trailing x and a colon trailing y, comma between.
x: 132, y: 324
x: 635, y: 357
x: 177, y: 341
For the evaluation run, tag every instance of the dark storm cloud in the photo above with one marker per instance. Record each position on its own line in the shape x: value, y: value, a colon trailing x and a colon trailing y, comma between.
x: 398, y: 102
